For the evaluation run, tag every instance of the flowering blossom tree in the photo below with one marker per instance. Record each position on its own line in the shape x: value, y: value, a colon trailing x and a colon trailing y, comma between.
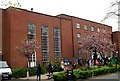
x: 27, y: 48
x: 99, y: 42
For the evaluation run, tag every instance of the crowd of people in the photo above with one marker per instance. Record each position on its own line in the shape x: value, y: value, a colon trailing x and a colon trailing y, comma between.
x: 91, y: 61
x: 104, y: 61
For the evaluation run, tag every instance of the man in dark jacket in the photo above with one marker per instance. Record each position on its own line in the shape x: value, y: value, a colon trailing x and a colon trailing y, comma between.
x: 38, y: 72
x: 50, y: 69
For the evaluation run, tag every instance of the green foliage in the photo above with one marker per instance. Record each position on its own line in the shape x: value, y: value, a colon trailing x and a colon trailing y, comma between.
x: 32, y: 71
x: 112, y: 69
x: 61, y: 76
x: 118, y: 68
x: 57, y: 67
x: 83, y: 73
x: 22, y: 72
x: 19, y: 72
x: 44, y: 69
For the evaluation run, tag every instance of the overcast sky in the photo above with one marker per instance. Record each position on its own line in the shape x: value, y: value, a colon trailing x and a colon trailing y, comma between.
x: 94, y: 10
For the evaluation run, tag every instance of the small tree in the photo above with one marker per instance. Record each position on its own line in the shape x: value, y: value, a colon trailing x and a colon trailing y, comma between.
x: 26, y: 49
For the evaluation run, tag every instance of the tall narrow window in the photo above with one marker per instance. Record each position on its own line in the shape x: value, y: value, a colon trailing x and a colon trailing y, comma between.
x: 98, y: 30
x: 92, y: 28
x: 79, y: 53
x: 85, y: 27
x: 57, y: 51
x: 78, y: 37
x: 32, y: 35
x: 78, y: 25
x: 45, y: 44
x: 31, y: 31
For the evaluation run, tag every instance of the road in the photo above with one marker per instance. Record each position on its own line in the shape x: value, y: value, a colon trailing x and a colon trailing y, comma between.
x: 106, y: 77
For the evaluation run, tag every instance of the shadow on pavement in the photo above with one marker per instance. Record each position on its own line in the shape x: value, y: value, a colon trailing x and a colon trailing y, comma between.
x: 29, y: 80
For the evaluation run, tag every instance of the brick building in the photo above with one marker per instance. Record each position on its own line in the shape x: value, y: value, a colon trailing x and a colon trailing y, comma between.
x: 58, y: 36
x: 116, y: 39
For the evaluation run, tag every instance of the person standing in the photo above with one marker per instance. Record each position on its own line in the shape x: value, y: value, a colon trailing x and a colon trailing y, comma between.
x: 38, y: 72
x: 50, y: 68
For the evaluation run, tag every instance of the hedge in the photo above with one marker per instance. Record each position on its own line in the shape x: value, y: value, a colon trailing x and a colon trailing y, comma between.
x: 22, y: 72
x: 82, y: 73
x: 61, y: 76
x: 19, y: 72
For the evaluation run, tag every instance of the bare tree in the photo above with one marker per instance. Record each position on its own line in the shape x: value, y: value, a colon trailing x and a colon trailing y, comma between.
x: 8, y: 3
x: 114, y: 11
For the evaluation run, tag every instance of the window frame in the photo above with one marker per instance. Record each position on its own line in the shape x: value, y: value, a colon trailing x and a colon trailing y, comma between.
x: 85, y: 27
x: 78, y: 25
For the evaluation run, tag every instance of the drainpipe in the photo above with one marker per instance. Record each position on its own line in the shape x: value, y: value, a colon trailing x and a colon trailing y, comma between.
x: 72, y: 35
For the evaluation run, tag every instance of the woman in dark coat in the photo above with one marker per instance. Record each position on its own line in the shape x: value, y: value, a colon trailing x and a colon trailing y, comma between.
x: 50, y: 70
x: 38, y: 72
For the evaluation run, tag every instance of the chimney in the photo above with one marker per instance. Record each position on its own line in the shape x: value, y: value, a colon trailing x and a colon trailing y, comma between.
x: 31, y: 9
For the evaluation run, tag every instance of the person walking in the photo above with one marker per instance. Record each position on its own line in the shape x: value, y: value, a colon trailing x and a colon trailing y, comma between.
x: 38, y: 72
x: 50, y: 69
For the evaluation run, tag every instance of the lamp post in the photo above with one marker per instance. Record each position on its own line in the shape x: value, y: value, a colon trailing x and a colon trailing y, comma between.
x: 0, y: 55
x: 119, y: 16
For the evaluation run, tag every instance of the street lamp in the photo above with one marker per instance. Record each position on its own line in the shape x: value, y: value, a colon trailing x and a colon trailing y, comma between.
x: 0, y: 55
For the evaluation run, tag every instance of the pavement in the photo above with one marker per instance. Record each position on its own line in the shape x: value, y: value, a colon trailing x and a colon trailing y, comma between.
x: 44, y: 77
x: 109, y: 77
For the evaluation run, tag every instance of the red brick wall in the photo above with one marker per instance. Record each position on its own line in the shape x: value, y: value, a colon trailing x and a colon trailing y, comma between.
x: 84, y: 32
x: 0, y: 31
x: 116, y: 39
x: 66, y: 32
x: 6, y: 36
x: 18, y: 32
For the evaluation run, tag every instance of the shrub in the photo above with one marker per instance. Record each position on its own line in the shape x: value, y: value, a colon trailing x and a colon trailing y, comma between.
x: 32, y: 71
x: 61, y: 76
x: 118, y: 68
x: 112, y: 69
x: 57, y: 67
x: 22, y: 72
x: 85, y: 74
x: 19, y: 72
x: 44, y: 69
x: 82, y: 73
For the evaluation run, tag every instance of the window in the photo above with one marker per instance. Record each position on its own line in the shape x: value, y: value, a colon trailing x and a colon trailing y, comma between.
x: 79, y: 53
x: 31, y: 31
x: 92, y: 28
x: 45, y: 44
x: 32, y: 60
x: 104, y: 30
x: 57, y: 44
x: 78, y: 25
x: 31, y: 35
x: 85, y: 27
x: 78, y: 37
x: 98, y: 30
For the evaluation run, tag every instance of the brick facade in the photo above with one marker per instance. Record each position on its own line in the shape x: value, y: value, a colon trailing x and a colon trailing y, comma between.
x: 116, y: 39
x: 14, y: 30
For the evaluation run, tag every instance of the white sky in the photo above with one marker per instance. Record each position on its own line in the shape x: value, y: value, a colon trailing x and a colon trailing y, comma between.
x: 94, y: 10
